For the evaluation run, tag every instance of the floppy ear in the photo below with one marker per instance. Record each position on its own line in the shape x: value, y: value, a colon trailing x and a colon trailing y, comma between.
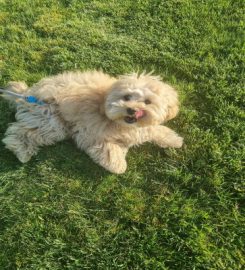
x: 173, y: 104
x: 168, y: 93
x: 172, y: 111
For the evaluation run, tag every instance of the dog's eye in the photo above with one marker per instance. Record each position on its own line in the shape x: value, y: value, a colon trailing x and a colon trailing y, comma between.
x: 147, y: 101
x: 127, y: 97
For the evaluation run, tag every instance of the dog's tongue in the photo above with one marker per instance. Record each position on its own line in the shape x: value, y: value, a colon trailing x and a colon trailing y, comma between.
x: 139, y: 114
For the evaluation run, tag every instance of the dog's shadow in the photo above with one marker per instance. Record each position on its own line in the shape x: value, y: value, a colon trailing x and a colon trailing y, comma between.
x: 65, y: 157
x: 62, y: 157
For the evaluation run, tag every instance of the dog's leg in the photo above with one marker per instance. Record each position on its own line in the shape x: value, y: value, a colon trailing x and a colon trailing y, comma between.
x: 19, y: 140
x: 33, y: 129
x: 165, y: 137
x: 110, y: 156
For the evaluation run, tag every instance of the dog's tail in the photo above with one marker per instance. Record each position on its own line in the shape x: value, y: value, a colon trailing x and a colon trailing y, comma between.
x: 15, y: 87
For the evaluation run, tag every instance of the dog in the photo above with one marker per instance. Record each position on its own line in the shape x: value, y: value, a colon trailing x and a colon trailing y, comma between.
x: 104, y: 115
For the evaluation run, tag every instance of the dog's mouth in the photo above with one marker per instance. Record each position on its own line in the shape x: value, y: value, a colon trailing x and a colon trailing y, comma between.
x: 130, y: 119
x: 134, y: 118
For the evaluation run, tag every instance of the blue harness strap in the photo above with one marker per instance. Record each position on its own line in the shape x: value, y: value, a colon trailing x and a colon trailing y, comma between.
x: 32, y: 99
x: 29, y: 99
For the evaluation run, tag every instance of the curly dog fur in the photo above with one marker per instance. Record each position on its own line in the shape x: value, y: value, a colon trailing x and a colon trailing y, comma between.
x: 104, y: 115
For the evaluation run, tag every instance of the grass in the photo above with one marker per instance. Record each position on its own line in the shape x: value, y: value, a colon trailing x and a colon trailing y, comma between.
x: 172, y: 209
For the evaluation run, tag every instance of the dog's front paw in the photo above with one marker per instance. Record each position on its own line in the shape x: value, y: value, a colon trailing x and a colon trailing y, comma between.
x: 171, y: 140
x: 118, y: 168
x: 176, y: 141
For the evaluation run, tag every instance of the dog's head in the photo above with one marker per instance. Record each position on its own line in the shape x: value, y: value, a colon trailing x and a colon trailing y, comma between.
x: 141, y: 100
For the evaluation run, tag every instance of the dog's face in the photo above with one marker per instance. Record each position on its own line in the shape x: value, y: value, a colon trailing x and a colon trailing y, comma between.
x: 141, y: 100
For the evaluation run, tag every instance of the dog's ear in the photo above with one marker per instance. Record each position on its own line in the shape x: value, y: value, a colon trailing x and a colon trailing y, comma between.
x: 172, y: 111
x: 173, y: 103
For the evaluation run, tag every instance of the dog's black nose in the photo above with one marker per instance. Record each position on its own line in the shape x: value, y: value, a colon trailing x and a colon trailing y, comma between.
x: 130, y: 111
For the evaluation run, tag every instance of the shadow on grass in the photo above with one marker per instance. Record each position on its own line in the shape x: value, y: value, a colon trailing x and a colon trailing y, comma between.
x: 63, y: 157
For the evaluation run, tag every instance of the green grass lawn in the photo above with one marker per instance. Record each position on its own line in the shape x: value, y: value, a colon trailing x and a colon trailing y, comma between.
x: 172, y: 209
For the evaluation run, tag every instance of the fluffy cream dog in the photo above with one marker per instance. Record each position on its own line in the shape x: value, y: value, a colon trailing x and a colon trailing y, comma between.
x: 104, y: 115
